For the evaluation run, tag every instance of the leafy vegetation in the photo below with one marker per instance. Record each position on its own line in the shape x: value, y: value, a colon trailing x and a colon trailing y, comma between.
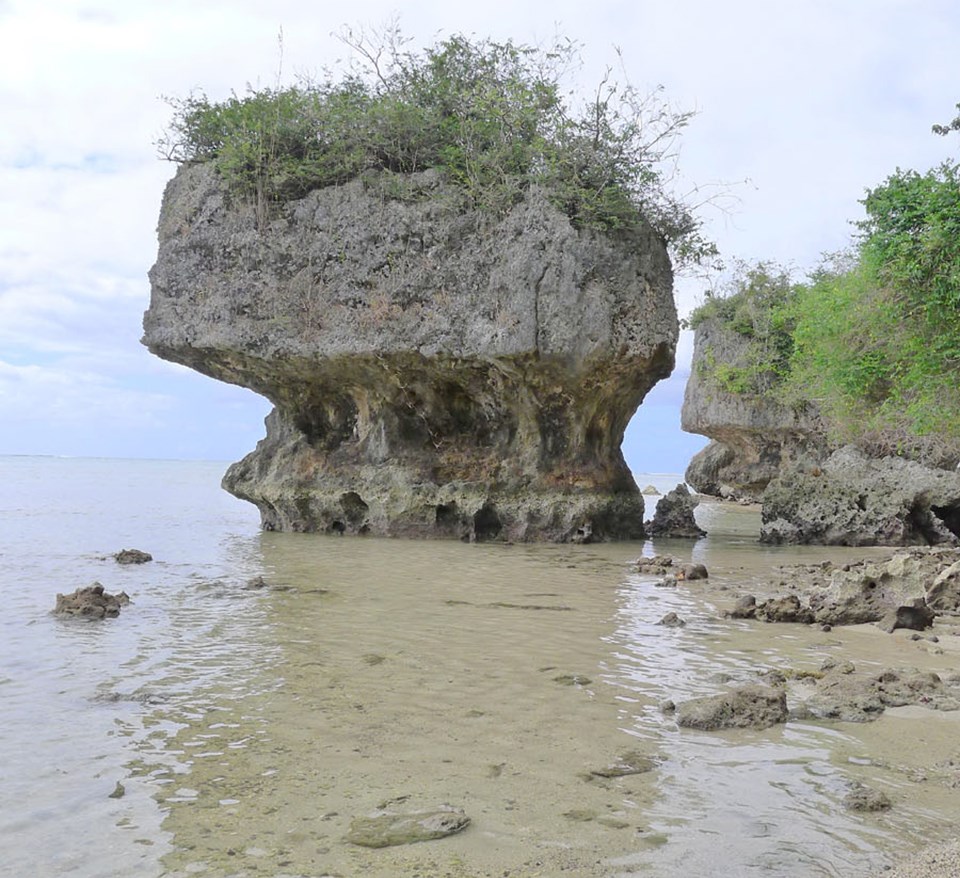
x: 490, y: 116
x: 873, y: 335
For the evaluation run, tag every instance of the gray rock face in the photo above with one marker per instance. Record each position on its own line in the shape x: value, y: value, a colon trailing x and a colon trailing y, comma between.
x: 852, y: 500
x: 674, y: 516
x: 753, y: 435
x: 433, y: 372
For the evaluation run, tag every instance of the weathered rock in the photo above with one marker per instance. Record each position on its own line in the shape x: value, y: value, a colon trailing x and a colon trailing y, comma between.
x: 672, y: 620
x: 657, y: 565
x: 132, y: 556
x: 853, y: 500
x: 744, y: 608
x: 690, y: 572
x: 388, y: 828
x: 674, y: 516
x: 842, y: 694
x: 629, y: 763
x: 434, y: 372
x: 650, y: 490
x: 916, y: 617
x: 784, y: 609
x: 863, y: 798
x: 91, y: 602
x: 754, y: 706
x: 753, y: 435
x: 944, y: 595
x: 871, y: 590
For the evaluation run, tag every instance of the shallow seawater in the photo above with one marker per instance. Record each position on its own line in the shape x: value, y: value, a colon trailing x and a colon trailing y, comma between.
x: 249, y: 725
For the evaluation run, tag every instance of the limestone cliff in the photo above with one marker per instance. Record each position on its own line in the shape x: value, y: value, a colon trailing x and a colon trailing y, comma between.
x: 753, y: 434
x: 434, y: 371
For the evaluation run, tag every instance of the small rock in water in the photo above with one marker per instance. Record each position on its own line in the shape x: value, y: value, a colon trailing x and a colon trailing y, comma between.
x: 631, y: 762
x: 672, y: 620
x: 118, y: 791
x: 388, y: 828
x: 862, y: 798
x: 91, y: 602
x: 693, y: 571
x: 658, y: 564
x: 668, y: 581
x: 132, y: 556
x: 572, y: 680
x: 755, y: 707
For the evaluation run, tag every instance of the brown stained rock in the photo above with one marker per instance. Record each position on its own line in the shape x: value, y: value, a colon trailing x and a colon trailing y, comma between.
x: 91, y: 602
x: 672, y: 620
x: 863, y: 798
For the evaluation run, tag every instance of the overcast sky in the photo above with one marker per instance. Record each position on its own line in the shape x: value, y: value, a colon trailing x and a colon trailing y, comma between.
x: 806, y: 104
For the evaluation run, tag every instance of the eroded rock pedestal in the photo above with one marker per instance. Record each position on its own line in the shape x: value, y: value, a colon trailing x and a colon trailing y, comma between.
x: 434, y: 372
x: 754, y: 435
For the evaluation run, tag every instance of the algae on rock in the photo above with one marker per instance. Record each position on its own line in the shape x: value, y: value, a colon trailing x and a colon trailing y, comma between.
x: 434, y: 371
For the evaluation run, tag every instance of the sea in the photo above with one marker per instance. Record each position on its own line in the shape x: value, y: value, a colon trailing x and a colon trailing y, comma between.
x: 262, y: 691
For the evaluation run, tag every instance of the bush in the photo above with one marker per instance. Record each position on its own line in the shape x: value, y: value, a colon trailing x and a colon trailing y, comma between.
x: 490, y: 116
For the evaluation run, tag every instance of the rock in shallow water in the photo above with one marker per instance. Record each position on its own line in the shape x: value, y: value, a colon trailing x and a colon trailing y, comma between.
x: 750, y: 707
x: 389, y: 828
x: 91, y: 602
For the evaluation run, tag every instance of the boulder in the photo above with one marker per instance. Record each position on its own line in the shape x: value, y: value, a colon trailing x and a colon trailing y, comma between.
x: 853, y: 500
x: 674, y: 516
x: 91, y: 602
x: 672, y: 620
x: 754, y: 707
x: 435, y: 371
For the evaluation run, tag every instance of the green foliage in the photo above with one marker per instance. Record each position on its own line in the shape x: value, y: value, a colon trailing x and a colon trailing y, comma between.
x: 757, y: 304
x: 490, y: 116
x: 912, y: 232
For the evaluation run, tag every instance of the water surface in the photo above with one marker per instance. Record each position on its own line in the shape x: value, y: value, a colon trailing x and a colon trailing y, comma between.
x: 248, y: 725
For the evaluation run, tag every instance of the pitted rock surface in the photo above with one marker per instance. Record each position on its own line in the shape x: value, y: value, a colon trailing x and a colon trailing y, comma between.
x: 434, y: 372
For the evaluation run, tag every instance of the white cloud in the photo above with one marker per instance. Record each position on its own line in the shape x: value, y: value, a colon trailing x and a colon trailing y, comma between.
x: 813, y: 102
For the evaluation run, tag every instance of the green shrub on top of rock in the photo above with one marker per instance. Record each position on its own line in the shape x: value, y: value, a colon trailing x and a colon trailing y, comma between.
x: 492, y: 117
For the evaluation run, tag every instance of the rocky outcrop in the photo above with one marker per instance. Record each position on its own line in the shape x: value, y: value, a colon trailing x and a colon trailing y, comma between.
x: 434, y: 372
x: 906, y: 589
x: 852, y: 500
x: 674, y: 516
x: 753, y: 434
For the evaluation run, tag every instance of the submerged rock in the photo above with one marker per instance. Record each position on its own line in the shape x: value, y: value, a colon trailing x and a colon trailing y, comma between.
x: 388, y: 828
x: 434, y: 372
x: 672, y: 620
x: 629, y: 763
x: 674, y: 516
x: 863, y: 798
x: 754, y: 707
x: 132, y: 556
x: 91, y: 602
